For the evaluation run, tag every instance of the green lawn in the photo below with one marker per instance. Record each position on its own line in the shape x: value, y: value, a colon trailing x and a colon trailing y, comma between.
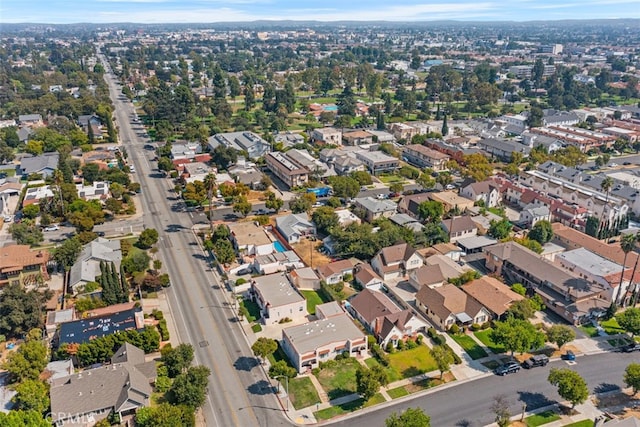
x: 589, y: 330
x: 302, y: 393
x: 542, y: 418
x: 392, y: 374
x: 410, y: 363
x: 485, y: 338
x: 313, y: 298
x: 339, y: 380
x: 252, y: 308
x: 397, y: 392
x: 334, y: 411
x: 390, y: 179
x: 583, y: 423
x: 611, y: 326
x: 375, y: 400
x: 470, y: 346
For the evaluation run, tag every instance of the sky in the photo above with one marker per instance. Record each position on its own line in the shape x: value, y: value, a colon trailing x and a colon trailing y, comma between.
x: 208, y: 11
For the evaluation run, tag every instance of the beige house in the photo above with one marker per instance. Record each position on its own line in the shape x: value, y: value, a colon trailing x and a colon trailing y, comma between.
x: 451, y: 200
x: 396, y: 261
x: 447, y: 305
x: 494, y: 295
x: 278, y: 299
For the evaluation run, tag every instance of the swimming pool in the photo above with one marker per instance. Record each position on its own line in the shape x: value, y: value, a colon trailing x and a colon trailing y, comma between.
x: 279, y: 247
x: 330, y: 108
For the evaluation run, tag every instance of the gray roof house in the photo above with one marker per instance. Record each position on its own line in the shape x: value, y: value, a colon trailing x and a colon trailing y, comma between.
x: 375, y: 208
x: 293, y: 227
x: 253, y: 144
x: 122, y: 387
x: 45, y: 164
x: 87, y: 266
x: 24, y: 133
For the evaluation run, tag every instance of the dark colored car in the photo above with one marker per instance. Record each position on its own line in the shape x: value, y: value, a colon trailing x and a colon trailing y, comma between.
x: 630, y: 348
x: 243, y: 272
x: 537, y: 360
x: 100, y: 233
x: 568, y: 355
x: 626, y: 163
x: 507, y: 368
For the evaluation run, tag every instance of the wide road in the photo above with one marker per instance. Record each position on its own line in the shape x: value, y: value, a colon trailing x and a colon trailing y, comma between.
x: 239, y: 393
x: 469, y: 404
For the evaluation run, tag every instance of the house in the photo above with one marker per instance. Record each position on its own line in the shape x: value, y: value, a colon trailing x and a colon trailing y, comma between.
x: 291, y: 173
x: 20, y: 265
x: 89, y: 328
x: 293, y: 227
x: 277, y: 261
x: 459, y: 227
x: 396, y: 261
x: 304, y: 278
x: 447, y: 305
x: 321, y: 340
x: 120, y: 388
x: 250, y: 239
x: 492, y: 294
x: 44, y: 165
x: 449, y: 250
x: 533, y: 213
x: 197, y: 171
x: 305, y: 160
x: 30, y: 120
x: 288, y: 139
x: 407, y: 221
x: 346, y: 217
x: 346, y: 164
x: 451, y: 200
x: 502, y: 149
x: 486, y: 191
x: 427, y: 275
x: 366, y: 277
x: 475, y: 244
x: 97, y: 190
x: 326, y: 135
x: 278, y: 300
x: 329, y: 309
x: 246, y: 141
x: 57, y: 317
x: 25, y: 133
x: 403, y: 131
x: 374, y: 208
x: 409, y: 204
x: 377, y: 162
x: 424, y: 157
x: 33, y: 195
x: 187, y: 150
x: 571, y: 297
x: 87, y: 120
x: 357, y: 137
x: 385, y: 320
x: 87, y: 265
x: 334, y: 272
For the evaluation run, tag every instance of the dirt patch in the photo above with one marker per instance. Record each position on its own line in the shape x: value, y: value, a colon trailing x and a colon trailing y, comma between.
x: 617, y: 402
x: 255, y: 196
x: 307, y: 250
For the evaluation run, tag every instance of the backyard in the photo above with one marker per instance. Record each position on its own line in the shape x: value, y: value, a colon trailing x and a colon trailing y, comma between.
x: 485, y: 338
x: 470, y: 346
x: 313, y: 298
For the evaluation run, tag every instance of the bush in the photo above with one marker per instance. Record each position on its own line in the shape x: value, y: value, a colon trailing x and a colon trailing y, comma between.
x: 432, y: 332
x: 476, y: 327
x: 454, y: 329
x: 315, y: 371
x: 411, y: 344
x: 380, y: 355
x: 255, y: 328
x: 285, y: 320
x: 164, y: 331
x: 163, y: 384
x: 456, y: 358
x: 371, y: 340
x: 241, y: 281
x: 157, y: 314
x: 401, y: 345
x: 343, y: 355
x: 438, y: 339
x: 419, y: 339
x: 486, y: 325
x: 389, y: 348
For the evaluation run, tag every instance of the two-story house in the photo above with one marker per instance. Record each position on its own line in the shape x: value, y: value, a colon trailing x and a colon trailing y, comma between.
x: 486, y: 191
x: 278, y: 299
x: 396, y: 261
x: 459, y: 227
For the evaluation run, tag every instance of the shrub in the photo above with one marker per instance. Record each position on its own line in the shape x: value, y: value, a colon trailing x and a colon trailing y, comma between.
x: 256, y: 328
x: 454, y: 329
x: 157, y: 314
x: 486, y: 325
x: 475, y: 327
x: 285, y: 320
x: 401, y: 345
x: 315, y: 371
x: 389, y: 347
x: 379, y: 355
x: 411, y: 344
x: 419, y: 339
x: 241, y: 281
x: 163, y: 384
x: 432, y: 332
x: 438, y: 339
x: 164, y: 331
x: 371, y: 340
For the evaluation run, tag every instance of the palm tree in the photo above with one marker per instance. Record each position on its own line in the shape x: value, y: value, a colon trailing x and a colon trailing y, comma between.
x: 209, y: 183
x: 606, y: 186
x: 627, y: 243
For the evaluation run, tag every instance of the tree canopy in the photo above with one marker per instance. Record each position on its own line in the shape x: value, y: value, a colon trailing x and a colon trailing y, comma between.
x: 517, y: 335
x: 412, y: 417
x: 571, y: 385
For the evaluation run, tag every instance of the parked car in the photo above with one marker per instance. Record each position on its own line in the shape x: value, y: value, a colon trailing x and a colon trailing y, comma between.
x: 100, y: 233
x: 568, y: 355
x: 53, y: 227
x: 537, y: 360
x: 507, y: 368
x: 244, y: 272
x: 626, y: 163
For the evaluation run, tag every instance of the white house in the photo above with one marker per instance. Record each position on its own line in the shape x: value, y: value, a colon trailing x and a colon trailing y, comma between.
x: 278, y: 299
x: 250, y: 238
x: 396, y: 261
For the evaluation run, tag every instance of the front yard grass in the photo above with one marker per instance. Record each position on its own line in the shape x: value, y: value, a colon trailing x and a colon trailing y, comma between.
x: 485, y: 338
x: 542, y: 418
x: 334, y: 411
x: 313, y: 298
x: 470, y: 346
x: 252, y: 308
x: 583, y: 423
x: 589, y: 330
x: 390, y: 179
x: 409, y: 363
x: 302, y: 393
x: 339, y: 380
x: 397, y: 392
x: 612, y: 327
x: 392, y: 374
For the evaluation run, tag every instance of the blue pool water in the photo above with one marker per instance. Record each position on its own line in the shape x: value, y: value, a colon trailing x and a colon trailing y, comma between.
x: 279, y: 246
x: 330, y: 108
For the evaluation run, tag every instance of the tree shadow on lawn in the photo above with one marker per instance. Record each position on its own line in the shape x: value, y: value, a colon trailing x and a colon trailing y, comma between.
x: 534, y: 400
x: 412, y: 372
x: 338, y: 392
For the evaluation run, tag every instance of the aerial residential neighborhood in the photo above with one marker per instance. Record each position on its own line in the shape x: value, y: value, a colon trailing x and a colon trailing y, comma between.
x: 297, y: 223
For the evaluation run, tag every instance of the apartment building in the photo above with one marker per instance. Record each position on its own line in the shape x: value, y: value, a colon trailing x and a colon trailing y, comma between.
x: 424, y: 157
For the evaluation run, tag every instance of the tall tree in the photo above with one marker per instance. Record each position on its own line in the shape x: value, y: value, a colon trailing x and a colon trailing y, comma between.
x: 560, y: 335
x: 443, y: 358
x: 412, y: 417
x: 571, y: 385
x: 629, y: 320
x: 632, y: 377
x: 263, y: 347
x: 627, y: 243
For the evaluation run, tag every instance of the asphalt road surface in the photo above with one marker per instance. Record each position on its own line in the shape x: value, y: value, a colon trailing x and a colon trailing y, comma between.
x: 239, y: 392
x: 469, y: 404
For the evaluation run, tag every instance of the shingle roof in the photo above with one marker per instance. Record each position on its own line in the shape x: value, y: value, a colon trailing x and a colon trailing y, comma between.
x: 448, y: 299
x: 459, y: 224
x: 37, y: 164
x: 491, y: 293
x: 373, y: 304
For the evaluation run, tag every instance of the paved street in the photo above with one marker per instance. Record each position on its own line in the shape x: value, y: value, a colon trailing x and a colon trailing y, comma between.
x: 239, y: 394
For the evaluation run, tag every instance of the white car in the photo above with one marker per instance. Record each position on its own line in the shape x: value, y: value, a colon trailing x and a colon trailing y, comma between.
x: 53, y: 227
x: 132, y: 169
x: 613, y: 165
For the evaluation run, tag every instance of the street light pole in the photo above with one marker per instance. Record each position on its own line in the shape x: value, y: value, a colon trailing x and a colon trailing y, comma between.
x: 286, y: 385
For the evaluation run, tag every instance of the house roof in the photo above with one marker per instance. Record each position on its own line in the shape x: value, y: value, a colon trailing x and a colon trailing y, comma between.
x: 376, y: 206
x: 428, y: 275
x: 396, y: 253
x: 336, y: 267
x: 399, y: 320
x: 458, y: 224
x: 276, y: 290
x: 365, y: 274
x: 249, y: 233
x: 373, y: 304
x: 87, y: 265
x: 84, y: 330
x: 482, y: 187
x: 292, y: 224
x: 116, y: 386
x: 448, y: 300
x: 328, y: 309
x: 37, y: 164
x: 411, y: 202
x: 17, y: 257
x: 491, y: 293
x: 310, y: 336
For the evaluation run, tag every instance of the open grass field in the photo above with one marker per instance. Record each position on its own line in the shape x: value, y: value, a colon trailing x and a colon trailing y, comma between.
x: 410, y: 363
x: 339, y: 380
